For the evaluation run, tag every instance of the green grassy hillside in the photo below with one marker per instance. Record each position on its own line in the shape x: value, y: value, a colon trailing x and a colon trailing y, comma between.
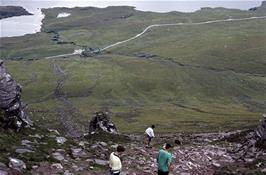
x: 190, y: 78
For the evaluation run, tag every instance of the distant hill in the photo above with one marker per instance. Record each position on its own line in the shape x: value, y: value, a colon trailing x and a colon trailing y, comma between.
x: 10, y: 11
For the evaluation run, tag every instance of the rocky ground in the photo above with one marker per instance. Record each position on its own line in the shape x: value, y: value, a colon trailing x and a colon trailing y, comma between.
x: 51, y: 153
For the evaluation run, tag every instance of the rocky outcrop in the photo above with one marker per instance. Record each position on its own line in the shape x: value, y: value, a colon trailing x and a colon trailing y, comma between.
x: 101, y: 122
x: 254, y: 143
x: 10, y: 103
x: 10, y: 11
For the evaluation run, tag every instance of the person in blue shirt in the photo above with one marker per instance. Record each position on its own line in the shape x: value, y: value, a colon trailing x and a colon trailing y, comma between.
x: 164, y: 160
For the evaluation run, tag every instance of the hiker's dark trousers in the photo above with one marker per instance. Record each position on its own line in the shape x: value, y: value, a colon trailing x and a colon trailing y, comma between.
x: 115, y: 172
x: 162, y: 173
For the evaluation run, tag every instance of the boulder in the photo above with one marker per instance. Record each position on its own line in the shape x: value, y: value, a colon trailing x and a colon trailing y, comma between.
x: 101, y: 122
x: 16, y: 164
x: 14, y: 114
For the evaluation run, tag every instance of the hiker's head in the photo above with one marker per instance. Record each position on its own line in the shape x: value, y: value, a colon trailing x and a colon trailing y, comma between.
x: 152, y: 126
x: 120, y: 149
x: 167, y: 146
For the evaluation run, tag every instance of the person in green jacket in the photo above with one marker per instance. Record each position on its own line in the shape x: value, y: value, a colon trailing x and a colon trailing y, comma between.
x: 164, y: 160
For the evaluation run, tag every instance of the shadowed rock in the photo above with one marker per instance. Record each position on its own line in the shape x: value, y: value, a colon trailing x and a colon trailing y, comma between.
x: 101, y: 122
x: 10, y: 103
x: 253, y: 144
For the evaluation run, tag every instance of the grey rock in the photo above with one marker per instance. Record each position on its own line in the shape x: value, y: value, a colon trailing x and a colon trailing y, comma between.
x: 54, y: 131
x: 37, y: 136
x: 34, y: 166
x: 217, y: 165
x: 3, y: 172
x: 67, y: 172
x: 101, y: 162
x: 26, y: 143
x: 103, y: 143
x: 78, y: 152
x: 10, y: 103
x: 57, y: 166
x: 2, y: 165
x: 61, y: 140
x: 114, y: 146
x: 94, y: 146
x: 183, y: 173
x: 23, y: 150
x: 82, y: 143
x: 58, y: 156
x: 263, y: 170
x: 16, y: 164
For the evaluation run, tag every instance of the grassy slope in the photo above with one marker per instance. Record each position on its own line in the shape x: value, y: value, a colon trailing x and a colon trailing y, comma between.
x: 201, y: 78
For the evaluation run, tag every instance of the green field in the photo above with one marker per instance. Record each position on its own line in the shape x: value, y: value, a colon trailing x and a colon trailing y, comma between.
x: 199, y: 78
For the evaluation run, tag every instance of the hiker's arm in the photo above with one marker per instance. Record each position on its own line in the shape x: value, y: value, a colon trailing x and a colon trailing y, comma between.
x: 152, y: 133
x: 170, y: 165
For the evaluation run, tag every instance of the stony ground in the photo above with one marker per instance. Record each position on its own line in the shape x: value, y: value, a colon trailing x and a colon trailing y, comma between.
x: 197, y: 154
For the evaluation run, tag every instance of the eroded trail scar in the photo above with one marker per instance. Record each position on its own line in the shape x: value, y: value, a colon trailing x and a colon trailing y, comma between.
x: 67, y: 112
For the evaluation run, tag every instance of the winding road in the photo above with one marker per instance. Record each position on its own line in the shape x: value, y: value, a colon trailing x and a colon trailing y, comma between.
x: 163, y: 25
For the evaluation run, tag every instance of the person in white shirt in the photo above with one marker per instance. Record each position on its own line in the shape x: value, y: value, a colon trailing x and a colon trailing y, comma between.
x: 149, y: 135
x: 115, y: 161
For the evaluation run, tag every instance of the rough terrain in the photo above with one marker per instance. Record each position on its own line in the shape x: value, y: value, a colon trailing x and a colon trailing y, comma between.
x: 197, y: 154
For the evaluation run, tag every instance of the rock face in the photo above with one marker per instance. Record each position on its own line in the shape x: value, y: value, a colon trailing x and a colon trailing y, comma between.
x: 10, y: 103
x: 260, y: 131
x: 9, y: 11
x: 253, y: 145
x: 256, y: 139
x: 101, y: 122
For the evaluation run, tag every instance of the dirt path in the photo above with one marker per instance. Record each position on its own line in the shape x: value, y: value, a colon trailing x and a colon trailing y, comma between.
x: 67, y: 112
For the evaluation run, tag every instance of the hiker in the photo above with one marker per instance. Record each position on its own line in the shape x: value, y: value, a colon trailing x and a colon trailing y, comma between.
x: 115, y: 161
x: 164, y: 160
x: 149, y: 135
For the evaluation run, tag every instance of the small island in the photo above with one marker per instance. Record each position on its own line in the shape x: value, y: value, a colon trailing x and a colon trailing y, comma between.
x: 10, y: 11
